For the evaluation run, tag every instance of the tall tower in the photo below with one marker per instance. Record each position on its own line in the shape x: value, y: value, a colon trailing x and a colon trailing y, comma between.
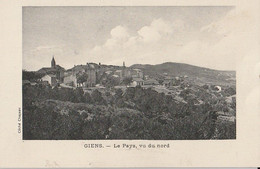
x: 53, y: 63
x: 123, y: 70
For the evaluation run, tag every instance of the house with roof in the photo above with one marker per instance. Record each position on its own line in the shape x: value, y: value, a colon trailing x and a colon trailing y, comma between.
x: 137, y: 82
x: 70, y: 79
x: 151, y: 82
x: 50, y: 78
x: 54, y: 70
x: 70, y: 76
x: 168, y: 81
x: 123, y: 72
x: 119, y: 73
x: 137, y: 73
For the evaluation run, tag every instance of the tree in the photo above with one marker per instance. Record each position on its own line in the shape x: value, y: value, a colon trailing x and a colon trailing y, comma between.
x: 88, y: 98
x: 127, y: 81
x: 31, y: 75
x: 81, y: 78
x: 97, y: 97
x: 118, y: 94
x: 79, y: 95
x: 111, y: 81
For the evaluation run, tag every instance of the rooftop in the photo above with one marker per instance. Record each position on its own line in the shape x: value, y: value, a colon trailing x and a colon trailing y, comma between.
x: 138, y: 79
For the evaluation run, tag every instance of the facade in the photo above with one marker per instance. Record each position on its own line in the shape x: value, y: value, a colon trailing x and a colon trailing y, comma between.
x: 92, y: 79
x: 72, y: 74
x: 123, y: 72
x: 119, y: 73
x: 51, y: 79
x: 137, y: 82
x: 70, y: 79
x: 137, y: 73
x: 54, y: 70
x: 126, y: 73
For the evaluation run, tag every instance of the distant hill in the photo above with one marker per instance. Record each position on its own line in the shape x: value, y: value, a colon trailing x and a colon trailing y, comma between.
x: 197, y: 74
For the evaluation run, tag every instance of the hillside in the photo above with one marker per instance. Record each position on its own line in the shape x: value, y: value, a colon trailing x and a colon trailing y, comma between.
x: 138, y: 113
x: 198, y: 74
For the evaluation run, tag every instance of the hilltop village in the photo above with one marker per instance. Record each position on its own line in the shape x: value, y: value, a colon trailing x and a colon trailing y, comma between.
x: 92, y: 75
x: 97, y: 101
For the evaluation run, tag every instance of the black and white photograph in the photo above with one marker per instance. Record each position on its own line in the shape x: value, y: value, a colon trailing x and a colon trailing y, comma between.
x: 128, y: 73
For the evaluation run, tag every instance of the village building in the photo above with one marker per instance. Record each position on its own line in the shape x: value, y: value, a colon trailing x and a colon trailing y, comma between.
x: 70, y: 79
x: 55, y: 71
x: 146, y: 77
x: 123, y: 72
x: 168, y: 81
x: 137, y: 82
x: 137, y: 73
x: 89, y: 69
x: 151, y: 82
x: 119, y: 73
x: 126, y: 72
x: 108, y: 72
x: 50, y: 78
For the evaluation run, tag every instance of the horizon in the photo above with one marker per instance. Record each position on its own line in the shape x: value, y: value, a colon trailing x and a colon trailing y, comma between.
x: 198, y: 36
x: 129, y: 66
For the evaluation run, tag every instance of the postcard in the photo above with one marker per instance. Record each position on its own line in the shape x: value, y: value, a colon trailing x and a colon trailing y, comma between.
x: 130, y: 84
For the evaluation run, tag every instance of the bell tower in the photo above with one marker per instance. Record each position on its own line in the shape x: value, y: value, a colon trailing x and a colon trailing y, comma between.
x: 53, y: 63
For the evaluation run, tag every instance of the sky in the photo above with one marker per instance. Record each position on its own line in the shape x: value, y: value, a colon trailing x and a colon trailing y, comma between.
x: 202, y: 36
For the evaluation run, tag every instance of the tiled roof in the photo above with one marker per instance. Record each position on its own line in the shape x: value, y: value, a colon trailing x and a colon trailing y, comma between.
x: 50, y: 69
x: 138, y: 79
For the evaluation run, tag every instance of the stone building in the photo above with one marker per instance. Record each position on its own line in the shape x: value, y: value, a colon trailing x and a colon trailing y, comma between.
x: 51, y: 79
x: 137, y: 73
x: 55, y: 71
x: 126, y: 72
x: 137, y: 82
x: 168, y: 81
x: 72, y: 75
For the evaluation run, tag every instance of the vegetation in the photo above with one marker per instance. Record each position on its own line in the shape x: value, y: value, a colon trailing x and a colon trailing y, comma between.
x: 127, y: 81
x: 31, y: 75
x: 134, y: 113
x: 82, y: 78
x: 181, y: 69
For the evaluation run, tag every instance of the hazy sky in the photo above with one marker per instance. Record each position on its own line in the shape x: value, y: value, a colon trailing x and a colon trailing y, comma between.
x: 202, y: 36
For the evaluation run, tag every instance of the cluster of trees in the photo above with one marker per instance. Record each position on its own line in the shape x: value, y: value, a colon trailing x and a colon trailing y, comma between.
x: 82, y: 78
x: 110, y: 81
x: 148, y: 101
x: 46, y: 122
x: 135, y: 113
x: 31, y: 75
x: 41, y: 93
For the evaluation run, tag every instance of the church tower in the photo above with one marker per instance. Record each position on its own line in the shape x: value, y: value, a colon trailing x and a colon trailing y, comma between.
x: 123, y: 64
x: 53, y: 63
